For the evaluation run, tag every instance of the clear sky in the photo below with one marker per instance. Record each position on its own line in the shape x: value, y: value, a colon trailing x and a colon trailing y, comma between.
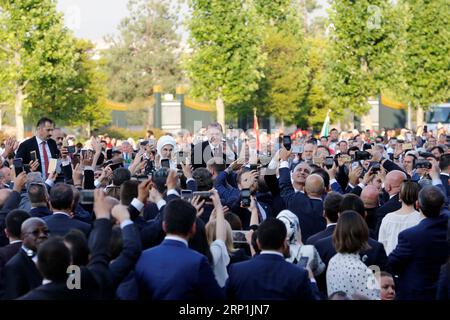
x: 94, y: 19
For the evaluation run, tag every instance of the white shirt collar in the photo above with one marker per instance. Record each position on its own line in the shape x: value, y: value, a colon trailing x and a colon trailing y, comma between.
x: 390, y: 197
x: 15, y: 241
x: 176, y: 238
x: 46, y: 281
x: 272, y: 252
x: 445, y: 174
x: 315, y: 198
x: 331, y: 224
x: 60, y: 212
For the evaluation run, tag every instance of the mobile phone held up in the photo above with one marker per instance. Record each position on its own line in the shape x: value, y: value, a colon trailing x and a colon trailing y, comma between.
x: 87, y: 197
x: 33, y: 156
x: 186, y: 194
x: 245, y: 198
x: 18, y: 166
x: 203, y: 195
x: 165, y: 163
x: 287, y: 142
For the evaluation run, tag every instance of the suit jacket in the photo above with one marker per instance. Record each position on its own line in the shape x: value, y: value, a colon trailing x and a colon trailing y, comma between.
x: 392, y: 205
x: 40, y: 212
x: 61, y: 224
x: 444, y: 179
x: 269, y: 277
x: 320, y: 235
x: 417, y: 259
x: 302, y: 206
x: 7, y: 252
x: 161, y: 276
x: 201, y: 153
x: 11, y: 203
x: 376, y: 255
x: 31, y: 145
x: 19, y: 276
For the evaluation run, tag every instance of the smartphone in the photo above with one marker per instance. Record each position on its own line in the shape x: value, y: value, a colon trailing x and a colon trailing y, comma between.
x: 425, y: 129
x: 355, y: 165
x: 186, y: 194
x: 347, y: 158
x: 253, y: 167
x: 33, y: 155
x: 142, y: 178
x: 18, y: 166
x: 114, y: 166
x: 303, y: 262
x: 329, y: 161
x: 165, y: 163
x: 70, y: 149
x: 318, y: 161
x: 144, y: 143
x: 204, y: 195
x: 245, y: 198
x: 287, y: 142
x: 84, y: 153
x: 297, y: 149
x: 109, y: 154
x: 87, y: 196
x: 239, y: 236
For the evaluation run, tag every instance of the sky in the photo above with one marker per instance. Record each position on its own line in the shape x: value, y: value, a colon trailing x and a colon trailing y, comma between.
x: 94, y: 19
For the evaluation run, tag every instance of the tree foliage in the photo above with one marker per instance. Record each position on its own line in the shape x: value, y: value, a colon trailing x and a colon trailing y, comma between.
x: 146, y: 52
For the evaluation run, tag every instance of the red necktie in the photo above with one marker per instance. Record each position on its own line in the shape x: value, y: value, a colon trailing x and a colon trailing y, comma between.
x: 45, y: 158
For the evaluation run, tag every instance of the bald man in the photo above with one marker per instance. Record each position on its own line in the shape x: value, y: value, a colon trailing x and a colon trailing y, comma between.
x: 370, y: 196
x: 392, y: 184
x: 4, y: 194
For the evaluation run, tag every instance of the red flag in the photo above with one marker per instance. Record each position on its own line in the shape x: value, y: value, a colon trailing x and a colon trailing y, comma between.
x: 256, y: 128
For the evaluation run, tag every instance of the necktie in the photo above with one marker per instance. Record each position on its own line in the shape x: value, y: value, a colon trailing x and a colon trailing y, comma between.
x: 45, y: 158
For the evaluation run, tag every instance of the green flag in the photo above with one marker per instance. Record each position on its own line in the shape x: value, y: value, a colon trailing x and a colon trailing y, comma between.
x: 326, y: 126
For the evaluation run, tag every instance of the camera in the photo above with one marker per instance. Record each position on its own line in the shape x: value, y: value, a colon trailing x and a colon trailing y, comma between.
x: 362, y: 155
x: 245, y: 198
x: 423, y: 164
x: 71, y: 149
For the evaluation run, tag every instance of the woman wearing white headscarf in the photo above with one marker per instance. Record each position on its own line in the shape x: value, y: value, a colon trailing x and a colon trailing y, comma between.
x: 165, y: 148
x: 302, y: 255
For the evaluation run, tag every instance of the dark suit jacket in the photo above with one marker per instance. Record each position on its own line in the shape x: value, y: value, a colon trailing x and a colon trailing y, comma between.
x: 40, y: 212
x: 443, y: 290
x: 31, y: 145
x: 11, y: 203
x: 320, y: 235
x: 61, y: 224
x: 161, y: 276
x: 444, y: 179
x: 201, y: 153
x: 376, y: 255
x: 392, y: 205
x: 19, y: 276
x: 269, y: 277
x: 417, y: 259
x: 7, y: 252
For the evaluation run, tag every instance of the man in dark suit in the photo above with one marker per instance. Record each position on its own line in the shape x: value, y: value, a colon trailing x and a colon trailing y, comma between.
x: 20, y: 274
x: 14, y: 221
x: 268, y: 276
x: 392, y: 184
x: 370, y: 195
x: 193, y: 279
x: 422, y: 249
x: 331, y: 210
x: 213, y: 148
x: 38, y: 195
x: 444, y: 165
x: 44, y: 147
x: 61, y: 222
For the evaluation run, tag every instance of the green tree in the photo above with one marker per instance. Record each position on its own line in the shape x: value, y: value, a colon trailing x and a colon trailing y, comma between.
x: 225, y: 65
x: 365, y: 57
x: 38, y: 54
x: 145, y: 53
x: 427, y: 58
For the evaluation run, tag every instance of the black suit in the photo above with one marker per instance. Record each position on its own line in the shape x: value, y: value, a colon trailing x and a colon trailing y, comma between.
x: 11, y: 203
x: 7, y: 252
x: 392, y: 205
x: 60, y: 224
x: 31, y: 145
x: 40, y: 212
x: 444, y: 179
x: 321, y: 234
x: 201, y: 153
x: 19, y: 276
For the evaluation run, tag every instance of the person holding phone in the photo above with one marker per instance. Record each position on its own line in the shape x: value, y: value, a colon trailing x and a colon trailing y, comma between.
x: 166, y: 148
x: 43, y: 146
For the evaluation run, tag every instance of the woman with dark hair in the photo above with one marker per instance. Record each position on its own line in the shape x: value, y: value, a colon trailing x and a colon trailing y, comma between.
x: 346, y: 272
x: 406, y: 217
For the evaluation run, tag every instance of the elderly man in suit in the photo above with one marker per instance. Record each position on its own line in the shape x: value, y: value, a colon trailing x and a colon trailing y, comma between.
x: 172, y: 271
x: 20, y: 274
x: 41, y: 144
x: 268, y: 276
x: 422, y: 249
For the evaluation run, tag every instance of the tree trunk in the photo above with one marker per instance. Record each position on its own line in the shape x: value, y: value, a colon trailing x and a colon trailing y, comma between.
x: 419, y: 120
x: 18, y: 107
x: 220, y: 111
x: 88, y: 129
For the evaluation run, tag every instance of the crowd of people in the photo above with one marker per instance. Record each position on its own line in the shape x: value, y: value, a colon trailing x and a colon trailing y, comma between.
x: 225, y: 215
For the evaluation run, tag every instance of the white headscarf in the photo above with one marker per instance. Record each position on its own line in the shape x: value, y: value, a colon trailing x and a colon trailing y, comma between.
x: 292, y: 224
x: 165, y: 140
